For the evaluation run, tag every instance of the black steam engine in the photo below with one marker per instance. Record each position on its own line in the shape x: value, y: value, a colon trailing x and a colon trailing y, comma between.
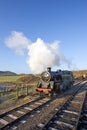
x: 52, y: 82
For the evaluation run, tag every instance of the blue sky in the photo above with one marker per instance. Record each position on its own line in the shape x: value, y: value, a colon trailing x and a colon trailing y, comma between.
x: 49, y: 20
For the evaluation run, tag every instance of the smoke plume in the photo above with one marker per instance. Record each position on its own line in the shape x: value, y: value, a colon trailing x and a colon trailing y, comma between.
x: 40, y: 54
x: 17, y: 41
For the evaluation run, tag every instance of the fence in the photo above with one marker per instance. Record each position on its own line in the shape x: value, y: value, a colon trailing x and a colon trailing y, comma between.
x: 17, y: 91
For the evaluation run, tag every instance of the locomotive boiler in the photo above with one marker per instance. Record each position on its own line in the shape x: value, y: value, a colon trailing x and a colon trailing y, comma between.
x: 53, y: 82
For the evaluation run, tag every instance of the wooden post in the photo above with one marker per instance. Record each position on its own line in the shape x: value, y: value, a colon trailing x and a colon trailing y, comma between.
x: 17, y: 92
x: 27, y: 88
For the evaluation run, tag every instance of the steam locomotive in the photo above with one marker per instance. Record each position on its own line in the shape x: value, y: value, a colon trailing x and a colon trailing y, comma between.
x: 53, y: 82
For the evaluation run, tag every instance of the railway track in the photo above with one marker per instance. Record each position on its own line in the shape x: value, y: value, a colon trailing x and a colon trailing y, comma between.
x: 82, y: 122
x: 18, y: 115
x: 9, y: 118
x: 67, y: 117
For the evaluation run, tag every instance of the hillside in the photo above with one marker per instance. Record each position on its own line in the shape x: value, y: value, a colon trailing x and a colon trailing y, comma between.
x: 79, y: 73
x: 7, y: 73
x: 31, y: 79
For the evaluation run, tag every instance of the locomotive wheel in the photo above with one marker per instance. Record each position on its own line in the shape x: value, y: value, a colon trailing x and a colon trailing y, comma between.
x: 49, y: 94
x: 52, y: 94
x: 41, y: 94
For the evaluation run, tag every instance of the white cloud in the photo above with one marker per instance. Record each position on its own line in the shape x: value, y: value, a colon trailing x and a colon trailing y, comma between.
x: 17, y: 41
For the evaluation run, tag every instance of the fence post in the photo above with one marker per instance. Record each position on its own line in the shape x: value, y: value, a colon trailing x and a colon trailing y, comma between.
x: 27, y: 88
x: 17, y: 92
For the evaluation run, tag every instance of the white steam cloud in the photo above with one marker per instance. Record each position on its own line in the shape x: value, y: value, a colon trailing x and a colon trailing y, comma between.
x: 18, y: 42
x: 40, y: 53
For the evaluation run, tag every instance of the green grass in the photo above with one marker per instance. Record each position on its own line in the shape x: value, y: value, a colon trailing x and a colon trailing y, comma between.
x: 9, y: 78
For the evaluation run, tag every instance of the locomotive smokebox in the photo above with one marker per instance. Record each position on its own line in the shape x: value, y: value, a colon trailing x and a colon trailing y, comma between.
x: 49, y: 69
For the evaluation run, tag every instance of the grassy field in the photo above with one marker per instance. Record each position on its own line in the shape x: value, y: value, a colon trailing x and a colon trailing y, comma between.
x: 19, y: 79
x: 9, y: 78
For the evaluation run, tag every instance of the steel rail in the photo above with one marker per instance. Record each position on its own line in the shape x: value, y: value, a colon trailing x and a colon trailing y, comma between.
x: 45, y: 124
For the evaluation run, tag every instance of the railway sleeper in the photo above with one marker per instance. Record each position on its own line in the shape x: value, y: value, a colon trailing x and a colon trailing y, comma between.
x: 82, y: 124
x: 73, y: 116
x: 63, y: 119
x: 68, y: 120
x: 58, y: 125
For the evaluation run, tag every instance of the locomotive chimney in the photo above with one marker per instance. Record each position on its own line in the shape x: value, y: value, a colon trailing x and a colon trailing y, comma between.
x: 49, y: 69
